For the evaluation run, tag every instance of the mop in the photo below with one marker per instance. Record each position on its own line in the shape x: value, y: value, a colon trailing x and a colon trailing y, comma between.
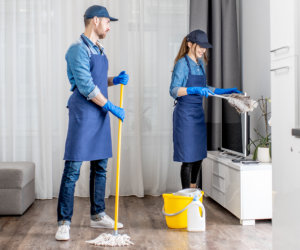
x: 240, y: 102
x: 115, y: 239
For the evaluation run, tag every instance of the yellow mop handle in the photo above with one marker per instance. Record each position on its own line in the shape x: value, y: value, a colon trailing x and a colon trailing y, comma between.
x: 118, y: 164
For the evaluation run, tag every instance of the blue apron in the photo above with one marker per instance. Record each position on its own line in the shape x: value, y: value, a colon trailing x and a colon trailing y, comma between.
x: 189, y: 129
x: 89, y: 136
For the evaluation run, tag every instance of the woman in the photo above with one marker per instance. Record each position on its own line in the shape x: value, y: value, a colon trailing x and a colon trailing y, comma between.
x: 188, y: 87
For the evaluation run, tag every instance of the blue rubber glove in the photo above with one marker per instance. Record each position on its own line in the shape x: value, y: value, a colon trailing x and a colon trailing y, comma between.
x: 121, y: 78
x: 115, y: 110
x: 203, y: 91
x: 227, y: 91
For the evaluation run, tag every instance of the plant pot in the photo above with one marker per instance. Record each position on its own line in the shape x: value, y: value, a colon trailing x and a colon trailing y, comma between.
x: 263, y: 154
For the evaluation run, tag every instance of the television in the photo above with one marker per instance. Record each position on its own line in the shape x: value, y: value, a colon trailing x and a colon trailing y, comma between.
x: 235, y: 131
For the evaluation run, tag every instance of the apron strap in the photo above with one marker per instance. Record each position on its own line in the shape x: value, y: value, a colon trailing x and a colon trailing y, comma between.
x: 202, y: 68
x: 188, y: 63
x: 200, y: 65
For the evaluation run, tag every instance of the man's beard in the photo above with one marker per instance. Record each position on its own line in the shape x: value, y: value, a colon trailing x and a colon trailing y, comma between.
x: 101, y: 36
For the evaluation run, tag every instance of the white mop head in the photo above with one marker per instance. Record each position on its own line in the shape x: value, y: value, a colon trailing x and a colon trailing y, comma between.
x: 242, y: 103
x: 111, y: 240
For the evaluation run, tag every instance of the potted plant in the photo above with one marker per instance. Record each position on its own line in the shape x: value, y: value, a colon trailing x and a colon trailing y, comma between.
x: 262, y: 144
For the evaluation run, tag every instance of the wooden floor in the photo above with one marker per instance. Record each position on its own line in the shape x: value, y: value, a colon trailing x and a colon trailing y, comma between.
x: 143, y: 221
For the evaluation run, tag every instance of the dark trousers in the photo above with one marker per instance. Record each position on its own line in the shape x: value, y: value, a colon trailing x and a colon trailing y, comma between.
x: 191, y: 172
x: 67, y: 189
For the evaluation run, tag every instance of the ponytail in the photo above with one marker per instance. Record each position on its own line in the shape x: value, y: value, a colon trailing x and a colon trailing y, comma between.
x: 184, y: 49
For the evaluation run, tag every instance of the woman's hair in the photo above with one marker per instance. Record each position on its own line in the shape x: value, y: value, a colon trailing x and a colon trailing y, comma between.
x: 184, y: 49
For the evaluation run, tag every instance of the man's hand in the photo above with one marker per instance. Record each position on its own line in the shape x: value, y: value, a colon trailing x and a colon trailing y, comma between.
x: 122, y: 78
x: 115, y: 110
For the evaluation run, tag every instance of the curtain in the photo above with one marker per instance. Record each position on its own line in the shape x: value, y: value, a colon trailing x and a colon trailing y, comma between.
x: 34, y: 89
x: 218, y: 18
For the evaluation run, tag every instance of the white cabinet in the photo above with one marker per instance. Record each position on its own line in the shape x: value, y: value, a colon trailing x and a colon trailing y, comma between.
x: 284, y: 28
x: 206, y: 175
x: 285, y: 95
x: 244, y: 190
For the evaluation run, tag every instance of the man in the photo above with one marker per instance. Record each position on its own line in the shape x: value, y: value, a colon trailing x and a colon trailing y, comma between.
x: 89, y: 137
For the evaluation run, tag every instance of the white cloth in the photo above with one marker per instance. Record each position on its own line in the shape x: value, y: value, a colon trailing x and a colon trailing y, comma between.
x: 34, y: 89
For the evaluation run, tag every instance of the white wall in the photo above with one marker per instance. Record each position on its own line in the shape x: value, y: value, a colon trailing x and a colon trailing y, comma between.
x: 254, y: 32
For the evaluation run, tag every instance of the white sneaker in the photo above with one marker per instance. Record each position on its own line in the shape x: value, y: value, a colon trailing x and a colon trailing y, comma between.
x: 63, y: 232
x: 105, y: 222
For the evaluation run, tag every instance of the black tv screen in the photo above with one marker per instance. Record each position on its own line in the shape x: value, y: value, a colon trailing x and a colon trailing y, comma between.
x: 235, y: 130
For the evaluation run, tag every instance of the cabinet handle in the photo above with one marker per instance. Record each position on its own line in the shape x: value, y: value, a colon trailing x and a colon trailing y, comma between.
x: 281, y: 68
x: 215, y: 174
x: 218, y: 189
x: 281, y: 48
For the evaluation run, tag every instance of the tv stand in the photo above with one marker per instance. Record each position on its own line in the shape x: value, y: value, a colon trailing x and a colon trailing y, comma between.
x: 243, y: 189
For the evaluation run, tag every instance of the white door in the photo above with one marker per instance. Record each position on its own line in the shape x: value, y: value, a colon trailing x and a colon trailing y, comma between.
x: 285, y: 154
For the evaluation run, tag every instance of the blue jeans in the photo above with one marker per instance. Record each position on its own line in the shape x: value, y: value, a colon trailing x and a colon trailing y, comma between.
x: 67, y: 188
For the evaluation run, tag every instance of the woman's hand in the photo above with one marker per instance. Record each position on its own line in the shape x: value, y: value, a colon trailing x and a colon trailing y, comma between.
x: 227, y: 91
x: 203, y: 91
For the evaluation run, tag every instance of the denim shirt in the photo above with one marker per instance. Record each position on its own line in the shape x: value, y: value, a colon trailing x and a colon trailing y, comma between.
x: 181, y: 72
x: 78, y: 67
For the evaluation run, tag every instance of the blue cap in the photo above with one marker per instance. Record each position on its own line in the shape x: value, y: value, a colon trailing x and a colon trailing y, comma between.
x: 98, y: 11
x: 199, y: 37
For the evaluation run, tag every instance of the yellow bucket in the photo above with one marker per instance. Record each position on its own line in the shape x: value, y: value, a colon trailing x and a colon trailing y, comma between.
x: 174, y: 204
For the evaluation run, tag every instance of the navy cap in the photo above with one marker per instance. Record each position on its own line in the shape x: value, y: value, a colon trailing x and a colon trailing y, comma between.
x: 199, y: 37
x: 98, y: 11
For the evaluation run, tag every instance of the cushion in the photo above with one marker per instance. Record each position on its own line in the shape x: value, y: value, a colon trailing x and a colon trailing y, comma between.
x: 16, y: 174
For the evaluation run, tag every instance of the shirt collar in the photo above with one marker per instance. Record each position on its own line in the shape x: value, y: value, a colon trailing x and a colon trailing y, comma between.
x: 89, y: 41
x: 98, y: 46
x: 194, y: 63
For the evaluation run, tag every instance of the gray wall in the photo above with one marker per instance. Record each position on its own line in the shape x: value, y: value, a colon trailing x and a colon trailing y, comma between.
x: 254, y: 28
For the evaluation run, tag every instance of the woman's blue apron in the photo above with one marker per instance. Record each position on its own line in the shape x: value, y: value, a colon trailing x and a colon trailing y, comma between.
x: 89, y: 136
x: 189, y: 129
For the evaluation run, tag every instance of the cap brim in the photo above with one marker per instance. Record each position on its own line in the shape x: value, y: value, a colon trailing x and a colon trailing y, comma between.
x: 205, y: 45
x: 113, y: 19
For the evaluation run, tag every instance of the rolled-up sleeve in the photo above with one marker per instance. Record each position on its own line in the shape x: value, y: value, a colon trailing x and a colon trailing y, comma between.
x: 78, y: 62
x: 94, y: 93
x: 179, y: 78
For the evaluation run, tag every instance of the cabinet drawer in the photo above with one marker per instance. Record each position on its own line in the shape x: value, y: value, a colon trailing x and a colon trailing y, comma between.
x: 219, y: 169
x: 218, y: 195
x: 218, y: 182
x: 207, y: 176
